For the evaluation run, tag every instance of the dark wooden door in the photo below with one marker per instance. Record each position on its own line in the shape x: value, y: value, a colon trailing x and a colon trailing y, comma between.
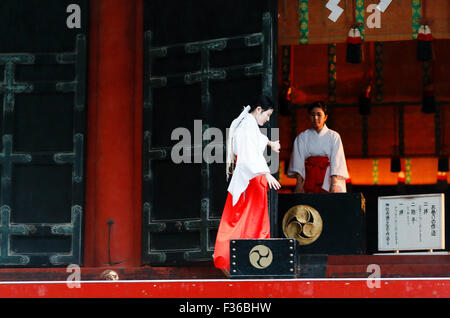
x: 204, y: 61
x: 42, y: 157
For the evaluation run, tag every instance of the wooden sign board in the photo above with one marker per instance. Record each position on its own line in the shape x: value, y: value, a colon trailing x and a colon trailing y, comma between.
x: 411, y: 222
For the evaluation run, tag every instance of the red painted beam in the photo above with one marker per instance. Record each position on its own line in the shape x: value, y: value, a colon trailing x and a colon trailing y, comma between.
x: 113, y: 181
x: 325, y: 288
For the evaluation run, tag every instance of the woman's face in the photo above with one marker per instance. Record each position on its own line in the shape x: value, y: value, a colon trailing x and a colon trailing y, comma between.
x: 262, y: 116
x: 318, y: 118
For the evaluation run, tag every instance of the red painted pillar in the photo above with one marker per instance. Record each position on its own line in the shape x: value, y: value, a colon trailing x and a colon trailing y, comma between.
x: 113, y: 190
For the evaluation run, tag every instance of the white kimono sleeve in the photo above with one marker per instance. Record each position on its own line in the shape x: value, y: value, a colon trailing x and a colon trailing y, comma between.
x: 249, y: 146
x: 338, y: 165
x: 297, y: 162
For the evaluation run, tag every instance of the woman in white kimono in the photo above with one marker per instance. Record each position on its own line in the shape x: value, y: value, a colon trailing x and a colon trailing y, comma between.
x: 318, y: 160
x: 245, y: 214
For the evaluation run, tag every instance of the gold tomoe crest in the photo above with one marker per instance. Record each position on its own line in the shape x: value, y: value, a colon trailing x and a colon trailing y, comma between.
x: 260, y: 256
x: 303, y: 223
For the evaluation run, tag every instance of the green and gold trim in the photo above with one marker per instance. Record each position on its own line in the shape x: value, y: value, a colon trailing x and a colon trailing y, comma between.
x: 359, y: 17
x: 303, y: 21
x: 408, y: 171
x: 375, y: 172
x: 416, y: 17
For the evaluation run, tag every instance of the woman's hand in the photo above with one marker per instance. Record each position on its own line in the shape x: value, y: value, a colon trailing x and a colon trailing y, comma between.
x: 275, y: 145
x: 273, y: 183
x: 334, y: 188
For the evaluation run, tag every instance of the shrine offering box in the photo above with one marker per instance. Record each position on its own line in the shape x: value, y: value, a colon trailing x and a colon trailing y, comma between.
x: 263, y: 258
x: 324, y: 223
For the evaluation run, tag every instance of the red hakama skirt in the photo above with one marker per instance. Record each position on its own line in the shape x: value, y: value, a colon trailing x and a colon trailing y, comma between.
x: 316, y: 168
x: 248, y: 219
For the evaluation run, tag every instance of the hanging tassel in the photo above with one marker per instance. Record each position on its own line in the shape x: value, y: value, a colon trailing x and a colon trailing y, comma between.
x: 424, y: 40
x: 443, y: 164
x: 396, y: 165
x: 428, y: 100
x: 354, y: 53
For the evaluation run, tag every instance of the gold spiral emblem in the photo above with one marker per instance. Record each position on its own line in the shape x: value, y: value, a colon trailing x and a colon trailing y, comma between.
x: 260, y: 256
x: 303, y: 223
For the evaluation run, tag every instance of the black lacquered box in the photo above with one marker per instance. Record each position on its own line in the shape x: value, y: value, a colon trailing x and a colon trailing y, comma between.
x: 263, y: 258
x: 329, y: 224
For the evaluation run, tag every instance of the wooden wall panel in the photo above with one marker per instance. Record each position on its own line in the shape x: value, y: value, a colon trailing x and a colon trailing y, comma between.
x: 347, y: 122
x: 402, y: 73
x: 351, y: 79
x: 383, y: 131
x: 441, y: 68
x: 310, y: 73
x: 445, y: 129
x: 419, y: 132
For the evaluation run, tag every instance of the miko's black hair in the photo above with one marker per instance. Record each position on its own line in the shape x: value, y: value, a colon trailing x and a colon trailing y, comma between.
x: 319, y: 105
x: 264, y: 101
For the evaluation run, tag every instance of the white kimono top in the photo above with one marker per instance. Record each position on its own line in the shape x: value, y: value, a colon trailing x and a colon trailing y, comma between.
x: 326, y: 143
x: 248, y: 144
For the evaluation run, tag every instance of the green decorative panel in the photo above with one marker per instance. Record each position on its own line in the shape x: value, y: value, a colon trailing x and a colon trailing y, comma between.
x: 408, y: 171
x: 416, y: 17
x: 359, y: 17
x: 375, y: 171
x: 303, y: 21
